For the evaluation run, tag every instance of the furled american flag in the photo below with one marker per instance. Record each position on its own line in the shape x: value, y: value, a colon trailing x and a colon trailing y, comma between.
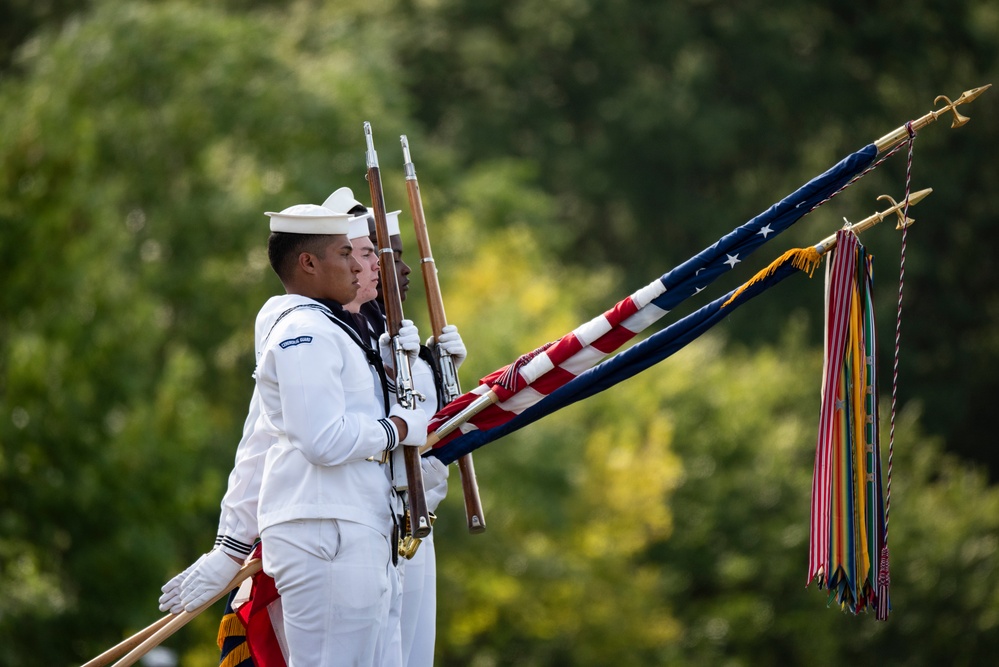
x: 511, y: 390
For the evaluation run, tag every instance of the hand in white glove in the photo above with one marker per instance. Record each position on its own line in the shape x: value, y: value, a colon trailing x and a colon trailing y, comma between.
x: 450, y: 341
x: 170, y: 600
x: 208, y: 579
x: 416, y: 425
x: 409, y: 340
x: 434, y: 481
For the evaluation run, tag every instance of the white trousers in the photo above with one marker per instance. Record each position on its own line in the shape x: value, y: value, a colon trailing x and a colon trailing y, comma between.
x: 337, y: 583
x: 419, y: 605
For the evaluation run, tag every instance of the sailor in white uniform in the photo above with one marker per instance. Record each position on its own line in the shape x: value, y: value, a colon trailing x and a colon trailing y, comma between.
x: 307, y: 479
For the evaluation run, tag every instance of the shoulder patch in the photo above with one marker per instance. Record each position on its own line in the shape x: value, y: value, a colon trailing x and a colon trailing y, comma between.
x: 291, y: 342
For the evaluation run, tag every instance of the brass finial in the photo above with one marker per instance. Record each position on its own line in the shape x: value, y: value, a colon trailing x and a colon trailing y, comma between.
x: 959, y: 120
x: 903, y: 221
x: 901, y: 134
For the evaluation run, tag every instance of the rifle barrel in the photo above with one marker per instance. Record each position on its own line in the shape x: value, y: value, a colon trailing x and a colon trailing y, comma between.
x: 438, y: 320
x: 392, y: 300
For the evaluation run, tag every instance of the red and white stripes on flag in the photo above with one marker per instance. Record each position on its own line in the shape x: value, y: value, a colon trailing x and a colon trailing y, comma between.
x: 533, y: 376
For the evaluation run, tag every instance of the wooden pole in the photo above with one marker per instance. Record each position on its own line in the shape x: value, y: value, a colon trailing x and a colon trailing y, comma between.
x: 145, y: 640
x: 127, y: 645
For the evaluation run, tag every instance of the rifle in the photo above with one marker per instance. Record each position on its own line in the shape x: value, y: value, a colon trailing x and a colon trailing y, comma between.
x: 418, y: 517
x: 438, y: 320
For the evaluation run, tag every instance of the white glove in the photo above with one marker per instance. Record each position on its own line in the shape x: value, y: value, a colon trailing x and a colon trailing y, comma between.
x: 450, y: 341
x: 416, y: 425
x: 170, y: 600
x: 434, y: 481
x: 409, y: 340
x: 209, y: 578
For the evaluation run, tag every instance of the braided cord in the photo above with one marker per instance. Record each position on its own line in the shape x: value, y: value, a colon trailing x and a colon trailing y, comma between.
x: 884, y: 577
x: 898, y: 329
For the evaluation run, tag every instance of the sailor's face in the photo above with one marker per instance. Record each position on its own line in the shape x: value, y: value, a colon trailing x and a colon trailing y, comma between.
x: 338, y: 271
x: 402, y: 269
x: 364, y: 253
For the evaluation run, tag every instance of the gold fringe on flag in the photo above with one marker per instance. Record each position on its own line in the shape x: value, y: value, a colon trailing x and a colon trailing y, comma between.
x: 230, y: 626
x: 236, y: 656
x: 803, y: 259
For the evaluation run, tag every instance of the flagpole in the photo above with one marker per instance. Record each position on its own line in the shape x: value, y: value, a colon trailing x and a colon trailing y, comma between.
x: 807, y: 259
x: 900, y: 134
x: 889, y: 141
x: 445, y: 429
x: 156, y: 633
x: 127, y: 645
x: 658, y: 346
x: 812, y: 254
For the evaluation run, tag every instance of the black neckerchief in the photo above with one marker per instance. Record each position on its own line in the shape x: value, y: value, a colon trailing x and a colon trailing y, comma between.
x: 373, y: 312
x: 341, y: 314
x: 360, y: 322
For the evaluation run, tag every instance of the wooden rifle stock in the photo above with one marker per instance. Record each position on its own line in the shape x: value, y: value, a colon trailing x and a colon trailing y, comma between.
x: 435, y: 304
x: 419, y: 516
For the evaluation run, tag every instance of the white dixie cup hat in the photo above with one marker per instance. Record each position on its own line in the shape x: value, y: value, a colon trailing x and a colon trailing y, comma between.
x: 343, y: 200
x: 309, y: 219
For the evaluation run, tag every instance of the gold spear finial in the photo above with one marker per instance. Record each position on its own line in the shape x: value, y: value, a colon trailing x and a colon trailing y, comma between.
x: 901, y: 134
x: 959, y: 120
x: 966, y: 96
x: 914, y: 199
x: 828, y: 243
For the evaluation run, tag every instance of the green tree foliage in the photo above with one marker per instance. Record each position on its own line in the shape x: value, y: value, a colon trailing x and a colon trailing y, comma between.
x: 663, y: 522
x: 137, y: 160
x: 21, y: 19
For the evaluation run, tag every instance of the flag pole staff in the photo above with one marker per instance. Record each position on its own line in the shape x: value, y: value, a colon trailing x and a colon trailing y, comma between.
x: 438, y: 320
x: 883, y: 144
x: 419, y: 516
x: 132, y: 649
x: 819, y: 249
x: 127, y: 645
x: 900, y: 134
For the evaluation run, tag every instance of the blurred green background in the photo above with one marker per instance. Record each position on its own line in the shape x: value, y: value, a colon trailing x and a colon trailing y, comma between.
x: 569, y: 152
